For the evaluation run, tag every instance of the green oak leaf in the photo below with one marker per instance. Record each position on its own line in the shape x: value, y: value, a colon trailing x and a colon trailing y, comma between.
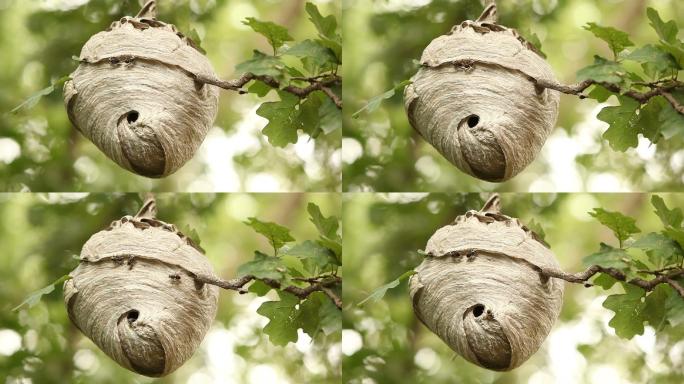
x: 194, y: 237
x: 669, y: 217
x: 617, y: 40
x: 661, y: 249
x: 312, y: 254
x: 34, y: 297
x: 327, y: 226
x: 310, y: 114
x: 599, y: 93
x: 196, y: 40
x: 628, y: 307
x: 308, y: 314
x: 668, y: 36
x: 654, y: 310
x: 654, y: 60
x: 283, y: 324
x: 648, y: 121
x: 608, y: 257
x: 602, y: 71
x: 375, y: 102
x: 259, y: 288
x: 276, y: 234
x: 330, y: 116
x: 674, y: 305
x: 623, y: 132
x: 538, y: 229
x: 671, y: 122
x: 666, y: 31
x: 35, y: 98
x: 604, y: 281
x: 259, y: 88
x: 676, y: 234
x: 621, y: 225
x: 283, y: 119
x: 330, y: 316
x: 326, y: 26
x: 262, y: 65
x: 380, y: 292
x: 319, y: 54
x: 318, y: 313
x: 276, y: 34
x: 263, y: 267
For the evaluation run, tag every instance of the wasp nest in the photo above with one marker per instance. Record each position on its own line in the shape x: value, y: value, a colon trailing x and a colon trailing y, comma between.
x: 480, y: 288
x: 476, y: 99
x: 135, y: 96
x: 134, y: 294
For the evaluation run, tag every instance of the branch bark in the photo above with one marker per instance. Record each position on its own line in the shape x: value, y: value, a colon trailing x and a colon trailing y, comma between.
x: 647, y: 285
x: 664, y: 276
x: 317, y: 83
x: 657, y: 89
x: 660, y: 88
x: 317, y: 284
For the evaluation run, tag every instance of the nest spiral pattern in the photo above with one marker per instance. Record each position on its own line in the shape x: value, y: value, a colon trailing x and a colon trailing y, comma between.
x: 479, y: 291
x: 476, y: 101
x: 133, y: 294
x: 135, y: 97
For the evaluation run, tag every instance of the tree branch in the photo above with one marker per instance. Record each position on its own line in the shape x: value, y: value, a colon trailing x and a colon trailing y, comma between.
x: 664, y: 276
x: 660, y: 88
x: 647, y: 285
x: 317, y: 284
x: 657, y: 89
x: 318, y: 83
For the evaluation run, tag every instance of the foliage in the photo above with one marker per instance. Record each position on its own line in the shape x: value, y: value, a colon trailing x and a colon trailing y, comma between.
x: 626, y: 138
x: 319, y: 59
x: 42, y: 234
x: 380, y: 292
x: 293, y: 264
x: 383, y: 231
x: 659, y: 65
x: 39, y: 39
x: 663, y: 253
x: 34, y: 298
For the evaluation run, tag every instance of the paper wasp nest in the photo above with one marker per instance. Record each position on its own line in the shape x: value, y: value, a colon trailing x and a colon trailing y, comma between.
x: 135, y: 97
x: 134, y: 294
x: 479, y: 288
x: 476, y: 101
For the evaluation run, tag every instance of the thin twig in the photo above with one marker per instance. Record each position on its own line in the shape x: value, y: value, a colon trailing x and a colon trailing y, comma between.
x: 677, y: 287
x: 582, y: 277
x: 316, y: 84
x: 647, y: 285
x: 641, y: 97
x: 333, y: 296
x: 657, y: 89
x: 239, y: 283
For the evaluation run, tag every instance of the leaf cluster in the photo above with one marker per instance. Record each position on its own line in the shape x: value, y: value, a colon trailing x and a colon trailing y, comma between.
x: 296, y: 264
x: 638, y: 70
x: 645, y: 257
x: 296, y: 64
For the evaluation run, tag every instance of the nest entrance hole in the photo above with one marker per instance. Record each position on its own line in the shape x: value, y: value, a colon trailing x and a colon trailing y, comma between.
x: 132, y: 116
x: 478, y: 310
x: 473, y: 120
x: 132, y: 315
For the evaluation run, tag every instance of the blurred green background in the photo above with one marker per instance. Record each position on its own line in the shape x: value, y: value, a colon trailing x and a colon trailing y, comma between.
x: 381, y: 152
x: 41, y: 234
x: 383, y: 342
x: 40, y: 151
